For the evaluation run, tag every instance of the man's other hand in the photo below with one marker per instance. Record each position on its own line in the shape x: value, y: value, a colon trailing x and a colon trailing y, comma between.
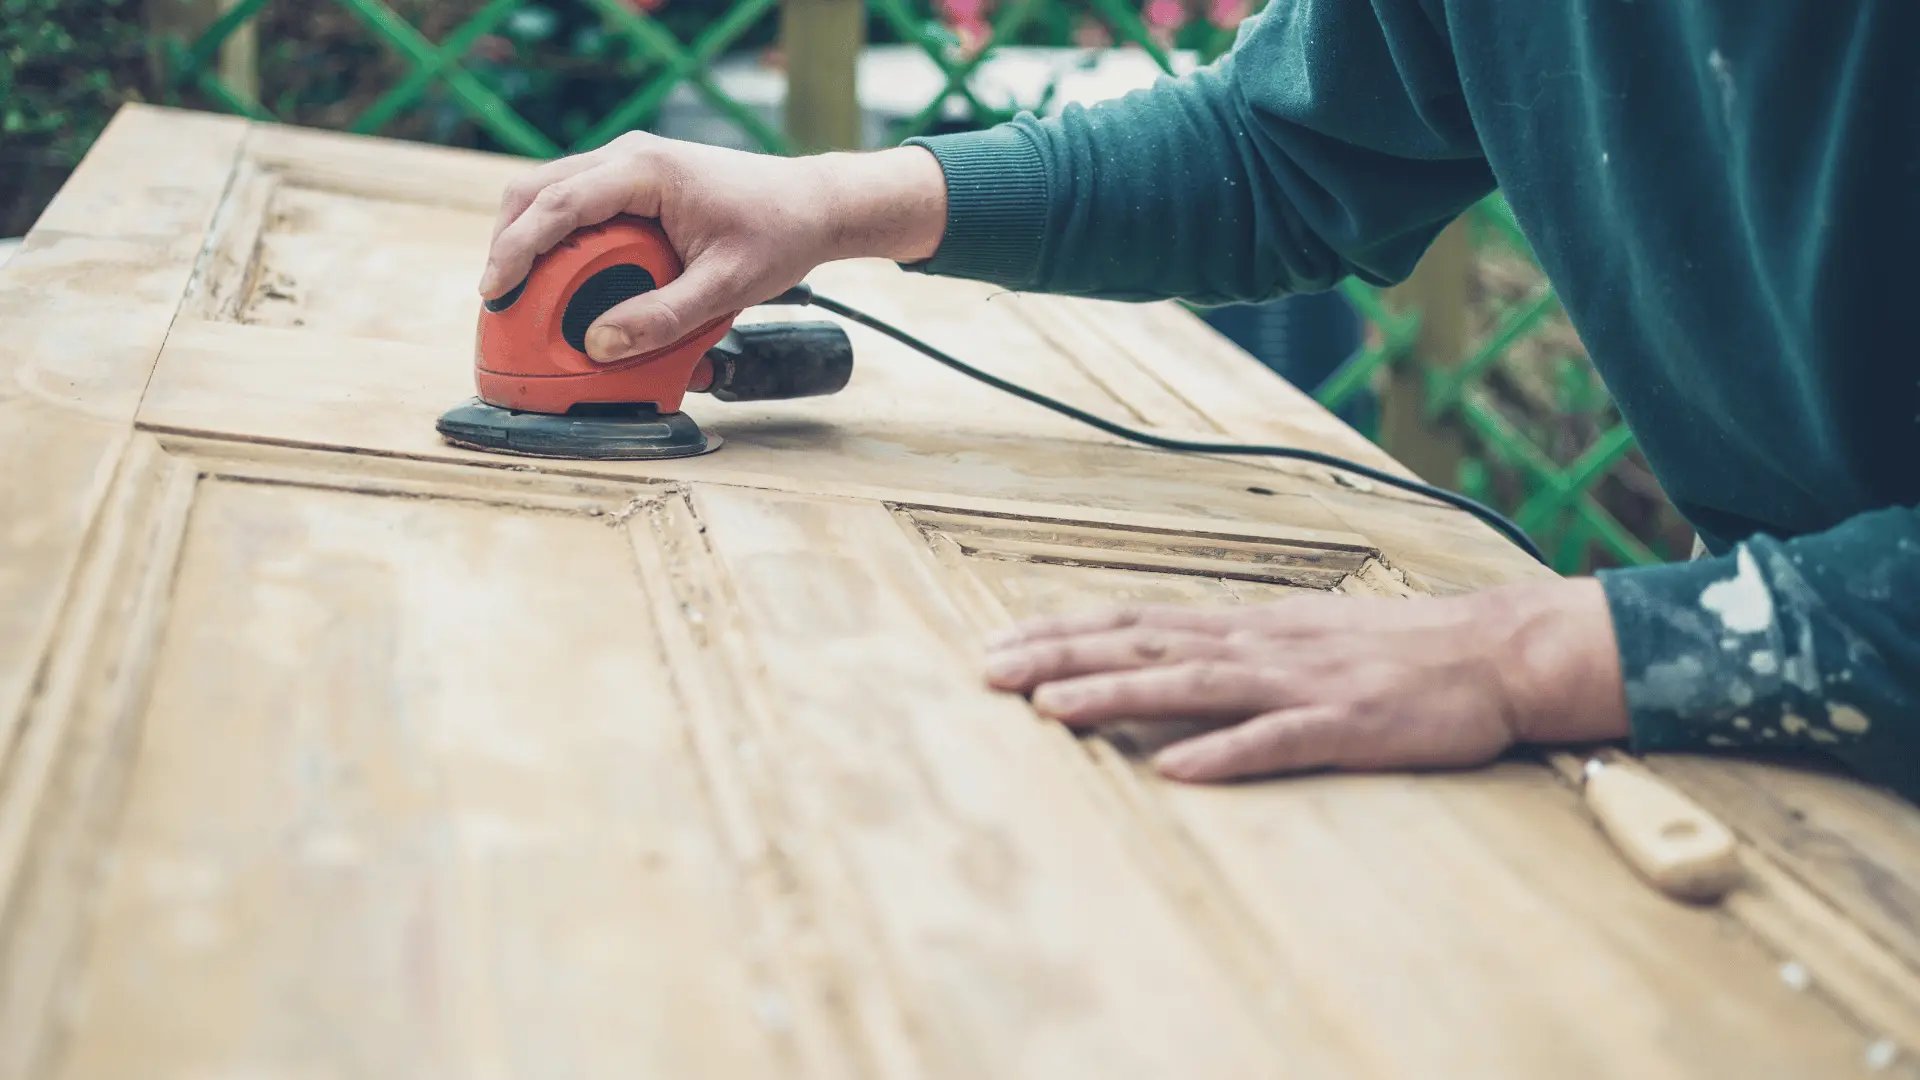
x: 1333, y: 682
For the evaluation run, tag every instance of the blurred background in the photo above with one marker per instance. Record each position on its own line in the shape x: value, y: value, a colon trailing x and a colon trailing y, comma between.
x: 1469, y: 372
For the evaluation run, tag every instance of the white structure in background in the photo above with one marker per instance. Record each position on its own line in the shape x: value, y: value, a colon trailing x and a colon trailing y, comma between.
x: 897, y: 81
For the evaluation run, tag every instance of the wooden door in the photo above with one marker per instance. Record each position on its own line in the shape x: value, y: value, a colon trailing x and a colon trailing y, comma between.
x: 332, y: 751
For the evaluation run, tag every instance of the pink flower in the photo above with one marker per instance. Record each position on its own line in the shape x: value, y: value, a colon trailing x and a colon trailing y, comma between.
x: 963, y: 12
x: 1227, y: 14
x: 968, y: 21
x: 1091, y: 33
x: 1164, y: 14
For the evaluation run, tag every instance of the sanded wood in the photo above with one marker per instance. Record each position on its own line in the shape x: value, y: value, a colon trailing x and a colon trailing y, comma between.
x: 435, y: 824
x: 1855, y: 843
x: 332, y: 750
x: 84, y: 307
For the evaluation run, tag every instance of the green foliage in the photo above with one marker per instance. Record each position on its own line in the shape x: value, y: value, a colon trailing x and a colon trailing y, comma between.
x: 65, y: 66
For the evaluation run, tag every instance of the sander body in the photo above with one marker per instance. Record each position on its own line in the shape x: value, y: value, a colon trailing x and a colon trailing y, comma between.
x: 539, y: 394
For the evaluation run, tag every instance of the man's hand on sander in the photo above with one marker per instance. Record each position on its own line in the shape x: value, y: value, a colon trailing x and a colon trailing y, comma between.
x: 747, y: 226
x: 1333, y: 682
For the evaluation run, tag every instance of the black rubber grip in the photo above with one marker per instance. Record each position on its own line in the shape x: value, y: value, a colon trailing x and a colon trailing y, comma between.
x: 600, y: 294
x: 779, y: 361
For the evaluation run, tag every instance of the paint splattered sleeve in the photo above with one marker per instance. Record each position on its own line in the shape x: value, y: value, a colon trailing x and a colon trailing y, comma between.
x: 1810, y: 643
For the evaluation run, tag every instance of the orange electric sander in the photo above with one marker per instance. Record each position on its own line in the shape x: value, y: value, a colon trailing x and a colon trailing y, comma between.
x: 542, y: 396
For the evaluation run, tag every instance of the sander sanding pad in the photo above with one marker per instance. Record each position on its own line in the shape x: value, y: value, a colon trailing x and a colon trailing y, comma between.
x: 591, y: 432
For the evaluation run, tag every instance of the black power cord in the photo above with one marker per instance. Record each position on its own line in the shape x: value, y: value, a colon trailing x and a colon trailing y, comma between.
x: 802, y: 295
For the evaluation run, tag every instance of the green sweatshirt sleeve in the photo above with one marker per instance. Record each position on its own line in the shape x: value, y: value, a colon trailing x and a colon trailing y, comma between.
x: 1334, y: 140
x: 1811, y: 643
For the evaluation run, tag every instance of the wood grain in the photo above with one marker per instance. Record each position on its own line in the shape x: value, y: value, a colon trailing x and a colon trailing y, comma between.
x: 1860, y: 845
x: 1506, y: 959
x: 330, y: 750
x: 1019, y: 936
x: 84, y: 307
x: 62, y: 785
x: 440, y: 826
x: 409, y: 173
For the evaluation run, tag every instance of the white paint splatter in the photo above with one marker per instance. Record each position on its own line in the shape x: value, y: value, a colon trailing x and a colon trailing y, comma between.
x: 1799, y: 668
x: 1848, y: 719
x: 1881, y: 1054
x: 1799, y: 664
x: 1793, y: 724
x: 1822, y: 735
x: 1764, y: 662
x: 1720, y: 740
x: 1796, y: 976
x: 1742, y: 723
x: 1603, y: 157
x: 1670, y: 684
x: 1723, y: 74
x: 1742, y: 601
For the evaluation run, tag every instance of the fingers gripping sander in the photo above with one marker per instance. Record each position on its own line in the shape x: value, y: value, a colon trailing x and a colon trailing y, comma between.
x: 540, y: 394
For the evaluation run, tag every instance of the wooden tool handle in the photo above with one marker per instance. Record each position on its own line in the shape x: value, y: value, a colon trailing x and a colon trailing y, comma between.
x: 1669, y: 839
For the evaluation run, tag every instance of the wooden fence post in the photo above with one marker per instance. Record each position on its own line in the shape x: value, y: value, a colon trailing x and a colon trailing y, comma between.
x: 186, y: 20
x: 1438, y: 290
x: 821, y: 41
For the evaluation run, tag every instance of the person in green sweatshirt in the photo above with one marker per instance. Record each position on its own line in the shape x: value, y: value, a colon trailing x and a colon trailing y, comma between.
x: 1726, y: 194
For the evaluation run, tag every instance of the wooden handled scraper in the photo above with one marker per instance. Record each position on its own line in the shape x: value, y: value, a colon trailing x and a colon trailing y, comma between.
x: 1666, y: 837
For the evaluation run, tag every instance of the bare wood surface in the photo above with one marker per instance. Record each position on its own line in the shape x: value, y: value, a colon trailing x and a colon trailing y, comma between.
x: 385, y: 872
x: 1857, y: 843
x: 338, y: 751
x: 84, y: 308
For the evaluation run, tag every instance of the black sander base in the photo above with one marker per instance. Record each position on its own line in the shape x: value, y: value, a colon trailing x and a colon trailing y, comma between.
x: 755, y: 362
x: 591, y: 432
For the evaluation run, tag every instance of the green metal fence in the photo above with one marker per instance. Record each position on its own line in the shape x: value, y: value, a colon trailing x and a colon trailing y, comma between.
x: 1569, y: 497
x: 1557, y: 504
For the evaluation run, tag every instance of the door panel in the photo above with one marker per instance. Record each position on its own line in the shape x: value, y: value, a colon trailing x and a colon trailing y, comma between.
x: 408, y: 783
x: 348, y: 265
x: 444, y: 771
